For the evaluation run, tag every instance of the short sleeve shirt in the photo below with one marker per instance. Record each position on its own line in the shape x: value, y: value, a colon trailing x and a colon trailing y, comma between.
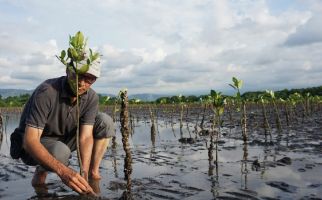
x: 50, y: 109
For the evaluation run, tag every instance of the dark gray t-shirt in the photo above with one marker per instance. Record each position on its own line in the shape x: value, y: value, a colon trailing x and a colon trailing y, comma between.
x: 50, y: 108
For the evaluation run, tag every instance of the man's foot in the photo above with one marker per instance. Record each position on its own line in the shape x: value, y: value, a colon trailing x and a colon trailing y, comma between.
x: 39, y: 177
x: 95, y: 175
x: 41, y: 190
x: 95, y: 184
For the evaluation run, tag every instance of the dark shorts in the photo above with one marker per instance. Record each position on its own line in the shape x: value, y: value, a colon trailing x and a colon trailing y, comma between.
x: 61, y: 148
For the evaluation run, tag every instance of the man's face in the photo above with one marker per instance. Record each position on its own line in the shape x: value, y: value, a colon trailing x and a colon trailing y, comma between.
x: 84, y: 82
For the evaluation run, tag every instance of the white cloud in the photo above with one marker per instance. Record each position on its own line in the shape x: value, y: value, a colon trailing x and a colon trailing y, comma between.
x: 167, y: 46
x: 308, y: 33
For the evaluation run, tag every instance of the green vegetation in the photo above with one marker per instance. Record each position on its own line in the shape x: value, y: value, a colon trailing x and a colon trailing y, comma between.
x: 15, y: 101
x: 289, y: 95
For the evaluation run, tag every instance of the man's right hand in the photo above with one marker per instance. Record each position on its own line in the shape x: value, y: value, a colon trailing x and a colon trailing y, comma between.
x: 75, y: 181
x: 71, y: 178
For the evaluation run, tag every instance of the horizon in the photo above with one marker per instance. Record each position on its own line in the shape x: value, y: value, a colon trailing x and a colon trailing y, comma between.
x: 230, y: 93
x: 167, y: 47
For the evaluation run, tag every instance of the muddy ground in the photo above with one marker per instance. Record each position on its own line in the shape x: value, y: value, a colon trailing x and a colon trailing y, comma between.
x: 181, y: 164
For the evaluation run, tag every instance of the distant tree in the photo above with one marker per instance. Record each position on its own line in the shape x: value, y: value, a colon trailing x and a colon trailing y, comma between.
x: 191, y: 99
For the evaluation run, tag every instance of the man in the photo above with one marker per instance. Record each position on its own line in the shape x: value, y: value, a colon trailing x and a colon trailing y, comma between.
x: 47, y: 130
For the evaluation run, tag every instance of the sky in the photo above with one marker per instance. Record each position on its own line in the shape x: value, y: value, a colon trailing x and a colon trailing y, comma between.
x: 167, y: 46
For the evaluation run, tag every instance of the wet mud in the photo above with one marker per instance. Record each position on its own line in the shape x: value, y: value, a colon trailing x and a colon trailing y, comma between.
x: 170, y: 160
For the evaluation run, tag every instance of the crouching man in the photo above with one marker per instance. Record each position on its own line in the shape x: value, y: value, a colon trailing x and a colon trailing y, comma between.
x: 46, y: 135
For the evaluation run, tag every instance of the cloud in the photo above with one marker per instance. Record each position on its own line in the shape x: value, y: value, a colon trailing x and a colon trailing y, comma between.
x: 167, y: 46
x: 113, y: 58
x: 308, y: 33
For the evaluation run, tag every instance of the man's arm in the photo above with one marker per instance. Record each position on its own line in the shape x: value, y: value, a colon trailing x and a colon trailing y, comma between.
x: 71, y: 178
x: 86, y: 147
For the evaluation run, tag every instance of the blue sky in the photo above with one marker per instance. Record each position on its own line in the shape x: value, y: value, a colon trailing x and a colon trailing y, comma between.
x: 167, y: 46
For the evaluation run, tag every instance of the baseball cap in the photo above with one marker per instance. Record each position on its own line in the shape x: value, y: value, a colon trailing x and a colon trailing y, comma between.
x: 95, y: 68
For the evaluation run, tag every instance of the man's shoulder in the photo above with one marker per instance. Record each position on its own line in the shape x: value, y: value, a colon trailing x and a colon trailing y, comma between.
x: 91, y: 91
x: 50, y: 86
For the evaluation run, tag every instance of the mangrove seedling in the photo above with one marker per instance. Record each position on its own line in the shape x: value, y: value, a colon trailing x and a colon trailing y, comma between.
x: 267, y: 127
x: 124, y: 119
x: 237, y: 84
x: 218, y: 103
x: 182, y: 105
x: 77, y: 61
x: 277, y: 115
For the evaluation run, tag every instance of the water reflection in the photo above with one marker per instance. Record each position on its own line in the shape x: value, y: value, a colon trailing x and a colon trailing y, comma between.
x: 1, y: 130
x: 114, y: 155
x: 9, y: 123
x: 153, y: 134
x: 244, y: 169
x: 197, y: 162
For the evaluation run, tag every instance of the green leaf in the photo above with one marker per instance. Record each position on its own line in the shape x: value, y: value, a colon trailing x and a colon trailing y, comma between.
x: 107, y: 98
x: 238, y: 95
x: 240, y: 84
x: 79, y: 39
x: 221, y: 111
x: 233, y: 86
x: 213, y: 93
x: 72, y: 53
x: 95, y: 56
x: 83, y: 69
x: 235, y: 81
x: 62, y: 54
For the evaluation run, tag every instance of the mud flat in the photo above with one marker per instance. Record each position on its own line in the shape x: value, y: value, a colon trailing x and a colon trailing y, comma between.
x: 182, y: 164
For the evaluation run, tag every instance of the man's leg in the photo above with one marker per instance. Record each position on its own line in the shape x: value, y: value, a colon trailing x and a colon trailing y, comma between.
x: 56, y: 148
x: 99, y: 149
x: 104, y: 130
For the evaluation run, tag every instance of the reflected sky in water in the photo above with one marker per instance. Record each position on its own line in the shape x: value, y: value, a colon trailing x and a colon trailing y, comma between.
x: 173, y: 165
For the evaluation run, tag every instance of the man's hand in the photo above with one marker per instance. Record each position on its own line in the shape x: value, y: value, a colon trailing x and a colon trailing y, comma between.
x: 71, y: 178
x: 75, y: 181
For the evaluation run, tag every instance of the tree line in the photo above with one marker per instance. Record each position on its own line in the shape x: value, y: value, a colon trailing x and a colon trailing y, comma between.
x: 19, y: 101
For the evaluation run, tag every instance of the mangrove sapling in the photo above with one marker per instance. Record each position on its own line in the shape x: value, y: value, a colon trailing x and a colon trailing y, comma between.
x: 182, y: 105
x: 124, y: 119
x: 287, y: 112
x: 171, y: 115
x: 316, y: 101
x: 188, y: 129
x: 205, y: 102
x: 271, y: 94
x: 266, y: 125
x: 229, y: 105
x: 187, y: 112
x: 210, y: 155
x: 301, y: 101
x: 77, y: 61
x: 196, y: 125
x: 218, y: 104
x: 306, y: 102
x: 244, y: 168
x: 203, y: 116
x: 292, y: 106
x: 237, y: 84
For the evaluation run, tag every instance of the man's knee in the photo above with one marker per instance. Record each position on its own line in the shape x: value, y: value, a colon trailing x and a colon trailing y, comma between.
x: 60, y: 151
x: 104, y: 126
x: 57, y: 149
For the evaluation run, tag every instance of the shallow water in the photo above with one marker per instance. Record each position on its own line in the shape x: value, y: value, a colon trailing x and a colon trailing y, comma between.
x: 173, y: 170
